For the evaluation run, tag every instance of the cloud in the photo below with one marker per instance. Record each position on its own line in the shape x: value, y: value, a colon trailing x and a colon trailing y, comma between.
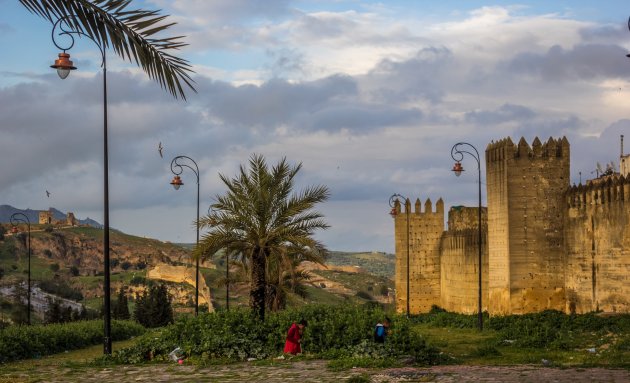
x: 582, y: 62
x: 505, y: 113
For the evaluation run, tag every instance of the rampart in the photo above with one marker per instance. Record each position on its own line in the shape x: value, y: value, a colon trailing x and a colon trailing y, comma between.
x: 459, y: 262
x: 425, y: 228
x: 545, y: 245
x: 598, y: 245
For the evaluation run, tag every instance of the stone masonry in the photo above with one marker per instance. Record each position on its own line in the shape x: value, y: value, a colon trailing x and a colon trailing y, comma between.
x: 545, y: 244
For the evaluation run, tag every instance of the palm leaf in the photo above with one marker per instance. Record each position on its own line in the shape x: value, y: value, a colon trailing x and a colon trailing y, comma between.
x: 128, y: 32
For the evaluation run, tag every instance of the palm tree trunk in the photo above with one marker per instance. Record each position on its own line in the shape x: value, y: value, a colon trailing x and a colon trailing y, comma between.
x: 258, y: 284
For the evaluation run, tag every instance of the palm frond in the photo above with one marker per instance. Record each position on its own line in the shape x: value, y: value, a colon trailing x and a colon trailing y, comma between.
x: 128, y: 32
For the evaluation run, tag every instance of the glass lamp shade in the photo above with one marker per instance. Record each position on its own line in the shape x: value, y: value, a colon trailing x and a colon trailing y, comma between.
x: 176, y: 182
x: 458, y: 168
x: 63, y: 65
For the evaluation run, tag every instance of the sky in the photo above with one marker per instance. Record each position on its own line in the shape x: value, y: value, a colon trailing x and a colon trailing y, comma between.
x: 369, y: 96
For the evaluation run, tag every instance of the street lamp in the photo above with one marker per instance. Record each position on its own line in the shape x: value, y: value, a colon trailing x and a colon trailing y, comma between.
x: 392, y: 203
x: 458, y: 155
x: 64, y: 66
x: 177, y: 169
x: 15, y: 219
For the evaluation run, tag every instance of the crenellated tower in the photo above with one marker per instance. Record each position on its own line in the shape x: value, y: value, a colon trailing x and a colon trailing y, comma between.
x: 525, y: 191
x: 426, y: 227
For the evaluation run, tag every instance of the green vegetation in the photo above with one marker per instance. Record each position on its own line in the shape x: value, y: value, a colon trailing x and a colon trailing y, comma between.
x: 153, y: 307
x: 23, y: 342
x: 548, y: 338
x: 375, y: 263
x: 338, y: 332
x: 270, y: 226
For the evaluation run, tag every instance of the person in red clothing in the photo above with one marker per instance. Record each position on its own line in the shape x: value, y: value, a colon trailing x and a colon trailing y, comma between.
x: 294, y: 338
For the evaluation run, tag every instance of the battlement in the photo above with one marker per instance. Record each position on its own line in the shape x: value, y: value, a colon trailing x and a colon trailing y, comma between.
x: 601, y: 191
x: 506, y: 149
x: 428, y: 207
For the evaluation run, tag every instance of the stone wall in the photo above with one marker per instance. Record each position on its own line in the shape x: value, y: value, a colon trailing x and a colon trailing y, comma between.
x: 598, y: 246
x: 545, y: 245
x: 426, y: 228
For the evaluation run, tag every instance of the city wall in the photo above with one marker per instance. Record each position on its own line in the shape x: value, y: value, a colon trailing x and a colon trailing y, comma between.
x: 598, y: 246
x: 545, y: 245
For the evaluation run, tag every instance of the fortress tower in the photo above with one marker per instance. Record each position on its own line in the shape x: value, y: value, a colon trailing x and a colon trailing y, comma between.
x: 525, y: 191
x: 426, y: 228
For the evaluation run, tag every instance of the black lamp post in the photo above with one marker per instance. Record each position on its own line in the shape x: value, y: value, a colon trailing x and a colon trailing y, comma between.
x: 392, y: 203
x: 177, y: 168
x: 64, y: 66
x: 458, y: 155
x: 15, y: 219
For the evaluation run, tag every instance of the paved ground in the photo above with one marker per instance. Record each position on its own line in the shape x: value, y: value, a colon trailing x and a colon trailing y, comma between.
x: 309, y: 371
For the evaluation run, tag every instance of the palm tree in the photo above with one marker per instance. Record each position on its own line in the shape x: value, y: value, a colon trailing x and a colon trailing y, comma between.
x: 284, y: 277
x: 260, y: 216
x: 128, y: 31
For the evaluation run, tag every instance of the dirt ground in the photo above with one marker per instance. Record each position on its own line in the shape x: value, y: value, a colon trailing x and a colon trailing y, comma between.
x: 306, y: 372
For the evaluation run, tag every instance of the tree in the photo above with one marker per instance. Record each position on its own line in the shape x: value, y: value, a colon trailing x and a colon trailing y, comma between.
x: 260, y: 215
x: 128, y: 31
x: 153, y: 307
x: 54, y: 312
x: 121, y: 306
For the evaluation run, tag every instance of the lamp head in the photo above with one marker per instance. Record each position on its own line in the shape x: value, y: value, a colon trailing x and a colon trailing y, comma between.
x: 458, y: 168
x: 63, y: 65
x: 176, y: 182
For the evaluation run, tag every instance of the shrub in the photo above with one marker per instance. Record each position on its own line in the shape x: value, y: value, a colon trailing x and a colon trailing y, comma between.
x: 54, y: 267
x: 125, y: 265
x: 48, y: 253
x: 74, y: 271
x: 332, y: 332
x: 364, y: 295
x: 60, y: 288
x: 24, y: 342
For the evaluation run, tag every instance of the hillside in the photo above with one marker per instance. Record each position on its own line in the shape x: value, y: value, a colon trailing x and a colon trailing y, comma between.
x: 68, y: 263
x: 33, y: 215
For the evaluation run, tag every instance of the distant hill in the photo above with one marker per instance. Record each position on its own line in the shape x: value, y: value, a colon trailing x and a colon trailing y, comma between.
x: 376, y: 263
x: 33, y: 215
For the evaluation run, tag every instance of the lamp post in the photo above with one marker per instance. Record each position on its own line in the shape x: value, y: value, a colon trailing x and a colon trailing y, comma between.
x: 458, y: 155
x: 178, y: 168
x: 15, y: 219
x: 392, y: 203
x: 63, y: 65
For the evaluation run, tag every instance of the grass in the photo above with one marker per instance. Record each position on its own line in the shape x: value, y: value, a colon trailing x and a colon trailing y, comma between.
x: 469, y: 346
x: 71, y: 363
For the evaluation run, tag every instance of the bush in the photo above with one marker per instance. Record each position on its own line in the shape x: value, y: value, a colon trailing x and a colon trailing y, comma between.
x: 60, y: 288
x: 332, y: 332
x: 74, y: 271
x: 125, y: 265
x: 24, y: 342
x: 54, y: 267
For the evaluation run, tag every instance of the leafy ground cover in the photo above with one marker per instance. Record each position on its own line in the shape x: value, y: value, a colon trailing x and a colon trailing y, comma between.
x: 25, y: 342
x: 549, y: 338
x: 342, y: 333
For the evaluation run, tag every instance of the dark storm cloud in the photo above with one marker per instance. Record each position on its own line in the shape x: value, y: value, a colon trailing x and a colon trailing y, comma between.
x: 584, y: 61
x: 505, y: 113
